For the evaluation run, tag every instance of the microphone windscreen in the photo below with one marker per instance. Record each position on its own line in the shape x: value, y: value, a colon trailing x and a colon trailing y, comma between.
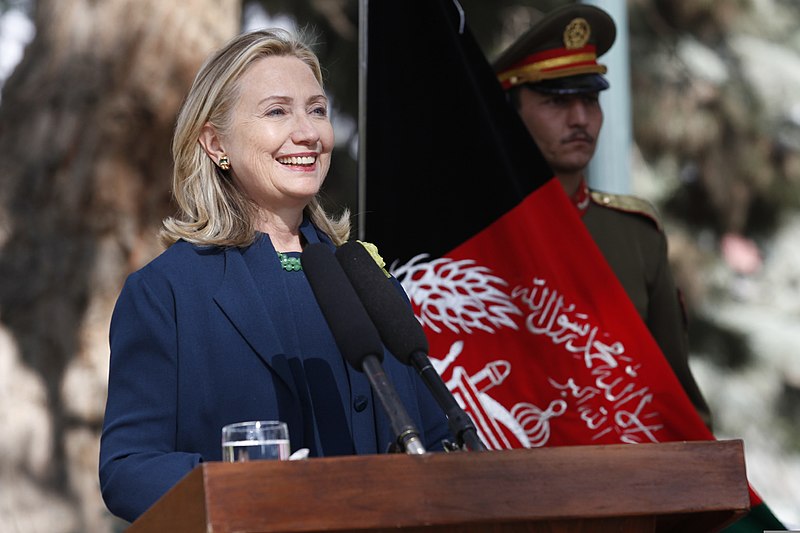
x: 390, y: 312
x: 352, y: 329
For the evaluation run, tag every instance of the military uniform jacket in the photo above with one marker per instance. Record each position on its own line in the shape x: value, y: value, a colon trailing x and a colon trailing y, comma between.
x: 629, y: 235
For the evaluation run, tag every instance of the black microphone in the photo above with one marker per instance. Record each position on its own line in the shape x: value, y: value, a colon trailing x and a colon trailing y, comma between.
x: 356, y: 337
x: 402, y: 334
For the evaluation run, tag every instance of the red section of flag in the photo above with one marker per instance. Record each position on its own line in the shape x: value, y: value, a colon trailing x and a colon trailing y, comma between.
x: 538, y: 340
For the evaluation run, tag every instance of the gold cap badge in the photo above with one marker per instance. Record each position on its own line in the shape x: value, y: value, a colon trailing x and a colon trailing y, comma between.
x: 577, y: 33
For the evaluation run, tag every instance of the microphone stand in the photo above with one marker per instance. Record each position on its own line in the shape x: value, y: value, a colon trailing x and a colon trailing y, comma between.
x: 460, y: 423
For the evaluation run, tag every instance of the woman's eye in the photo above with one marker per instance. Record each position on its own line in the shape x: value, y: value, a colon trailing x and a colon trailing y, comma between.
x: 319, y: 110
x: 275, y: 112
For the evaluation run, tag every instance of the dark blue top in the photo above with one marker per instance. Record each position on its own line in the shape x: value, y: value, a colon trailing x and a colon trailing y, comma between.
x: 203, y: 337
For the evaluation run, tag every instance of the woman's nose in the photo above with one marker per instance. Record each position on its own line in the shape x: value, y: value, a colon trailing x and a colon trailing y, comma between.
x: 305, y: 131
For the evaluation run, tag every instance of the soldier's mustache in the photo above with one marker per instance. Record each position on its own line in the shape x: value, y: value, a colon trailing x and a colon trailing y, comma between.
x: 579, y: 135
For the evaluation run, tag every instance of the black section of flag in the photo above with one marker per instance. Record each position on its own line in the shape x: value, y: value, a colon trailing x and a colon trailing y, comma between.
x: 446, y: 155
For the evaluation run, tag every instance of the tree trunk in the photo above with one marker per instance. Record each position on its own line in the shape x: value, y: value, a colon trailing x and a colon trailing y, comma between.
x: 85, y: 124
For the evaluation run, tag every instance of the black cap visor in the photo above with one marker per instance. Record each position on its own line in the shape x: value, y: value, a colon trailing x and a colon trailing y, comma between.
x: 580, y: 84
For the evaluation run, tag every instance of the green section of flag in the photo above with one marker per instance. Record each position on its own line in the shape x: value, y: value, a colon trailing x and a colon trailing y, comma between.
x: 760, y: 518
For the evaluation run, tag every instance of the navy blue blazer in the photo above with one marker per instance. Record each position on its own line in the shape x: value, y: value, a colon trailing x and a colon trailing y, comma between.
x: 196, y: 345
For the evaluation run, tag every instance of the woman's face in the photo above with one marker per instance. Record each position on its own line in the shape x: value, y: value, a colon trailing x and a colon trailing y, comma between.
x: 280, y: 141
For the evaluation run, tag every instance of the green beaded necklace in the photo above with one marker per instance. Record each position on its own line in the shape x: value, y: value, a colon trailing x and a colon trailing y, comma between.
x: 288, y: 263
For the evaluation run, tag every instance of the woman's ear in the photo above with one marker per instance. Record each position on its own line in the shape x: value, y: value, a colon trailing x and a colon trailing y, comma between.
x: 210, y: 141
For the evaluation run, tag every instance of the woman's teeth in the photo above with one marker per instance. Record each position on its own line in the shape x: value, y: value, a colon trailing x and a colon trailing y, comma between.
x: 304, y: 160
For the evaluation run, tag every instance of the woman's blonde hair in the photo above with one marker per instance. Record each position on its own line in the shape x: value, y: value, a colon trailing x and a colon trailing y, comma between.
x: 211, y: 209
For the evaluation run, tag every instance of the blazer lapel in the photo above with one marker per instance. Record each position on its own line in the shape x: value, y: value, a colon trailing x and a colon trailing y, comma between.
x: 239, y: 299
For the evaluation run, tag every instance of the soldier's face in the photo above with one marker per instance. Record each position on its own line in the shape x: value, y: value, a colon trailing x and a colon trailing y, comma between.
x: 565, y: 127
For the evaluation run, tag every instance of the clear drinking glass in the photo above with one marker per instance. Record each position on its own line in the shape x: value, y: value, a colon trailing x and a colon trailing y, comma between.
x: 255, y: 440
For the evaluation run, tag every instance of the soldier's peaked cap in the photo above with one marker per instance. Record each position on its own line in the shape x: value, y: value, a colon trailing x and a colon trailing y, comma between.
x: 558, y: 54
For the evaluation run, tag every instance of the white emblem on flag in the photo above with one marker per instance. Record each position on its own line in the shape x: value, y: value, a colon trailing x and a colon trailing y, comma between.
x: 464, y: 298
x: 458, y: 295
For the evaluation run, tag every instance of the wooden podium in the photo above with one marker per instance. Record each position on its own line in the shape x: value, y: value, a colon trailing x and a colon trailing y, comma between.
x: 678, y: 486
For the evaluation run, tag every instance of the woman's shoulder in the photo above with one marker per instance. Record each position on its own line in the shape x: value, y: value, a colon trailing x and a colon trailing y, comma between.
x: 183, y: 261
x: 183, y: 272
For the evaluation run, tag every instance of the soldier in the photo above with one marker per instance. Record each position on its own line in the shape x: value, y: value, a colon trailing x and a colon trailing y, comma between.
x: 553, y: 79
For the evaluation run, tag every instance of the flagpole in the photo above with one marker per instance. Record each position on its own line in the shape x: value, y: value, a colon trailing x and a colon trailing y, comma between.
x: 363, y: 8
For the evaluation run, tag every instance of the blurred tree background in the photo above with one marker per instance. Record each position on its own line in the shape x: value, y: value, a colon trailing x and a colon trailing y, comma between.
x: 86, y: 117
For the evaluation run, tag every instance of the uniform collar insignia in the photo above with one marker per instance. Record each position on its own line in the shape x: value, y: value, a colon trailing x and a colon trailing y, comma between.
x: 581, y: 198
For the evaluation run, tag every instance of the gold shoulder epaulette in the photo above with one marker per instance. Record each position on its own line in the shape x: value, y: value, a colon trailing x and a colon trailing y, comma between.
x: 628, y: 204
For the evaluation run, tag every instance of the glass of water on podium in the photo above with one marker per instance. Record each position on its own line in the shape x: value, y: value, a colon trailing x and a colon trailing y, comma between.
x: 255, y: 440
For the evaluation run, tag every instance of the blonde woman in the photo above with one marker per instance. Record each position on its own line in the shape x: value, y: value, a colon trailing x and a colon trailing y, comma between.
x: 223, y: 327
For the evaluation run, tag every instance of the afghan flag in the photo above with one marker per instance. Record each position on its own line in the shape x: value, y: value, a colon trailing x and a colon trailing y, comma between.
x: 526, y: 321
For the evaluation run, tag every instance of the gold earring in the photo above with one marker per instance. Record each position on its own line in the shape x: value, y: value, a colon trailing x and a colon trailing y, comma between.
x: 224, y: 162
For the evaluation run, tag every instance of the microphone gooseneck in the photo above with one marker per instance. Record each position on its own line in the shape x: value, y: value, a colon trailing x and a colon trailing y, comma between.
x: 402, y: 334
x: 356, y: 337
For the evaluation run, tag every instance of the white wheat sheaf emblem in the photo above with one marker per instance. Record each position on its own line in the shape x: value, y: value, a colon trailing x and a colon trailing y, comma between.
x: 459, y: 295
